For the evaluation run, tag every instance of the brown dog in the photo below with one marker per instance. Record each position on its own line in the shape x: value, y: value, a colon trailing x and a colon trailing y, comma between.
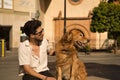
x: 69, y: 67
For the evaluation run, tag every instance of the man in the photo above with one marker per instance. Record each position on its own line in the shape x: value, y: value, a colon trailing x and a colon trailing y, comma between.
x: 33, y: 53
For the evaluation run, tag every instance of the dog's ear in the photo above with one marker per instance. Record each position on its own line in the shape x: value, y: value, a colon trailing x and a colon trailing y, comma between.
x: 67, y: 37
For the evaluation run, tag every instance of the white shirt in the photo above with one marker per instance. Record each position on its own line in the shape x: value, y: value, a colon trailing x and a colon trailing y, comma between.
x: 26, y: 56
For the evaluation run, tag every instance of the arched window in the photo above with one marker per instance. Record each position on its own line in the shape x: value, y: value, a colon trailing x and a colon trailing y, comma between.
x: 75, y: 2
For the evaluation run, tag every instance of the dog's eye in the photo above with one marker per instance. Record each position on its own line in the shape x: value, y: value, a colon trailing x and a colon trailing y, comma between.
x: 81, y: 35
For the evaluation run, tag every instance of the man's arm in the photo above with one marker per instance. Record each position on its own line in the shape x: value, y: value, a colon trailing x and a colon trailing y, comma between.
x: 30, y: 71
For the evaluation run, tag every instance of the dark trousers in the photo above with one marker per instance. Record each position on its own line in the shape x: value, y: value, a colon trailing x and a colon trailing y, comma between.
x: 29, y: 77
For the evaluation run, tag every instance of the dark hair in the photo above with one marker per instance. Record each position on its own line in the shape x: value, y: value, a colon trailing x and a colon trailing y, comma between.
x: 31, y: 26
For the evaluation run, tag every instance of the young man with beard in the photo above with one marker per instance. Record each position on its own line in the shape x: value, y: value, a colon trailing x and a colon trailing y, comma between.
x: 33, y: 53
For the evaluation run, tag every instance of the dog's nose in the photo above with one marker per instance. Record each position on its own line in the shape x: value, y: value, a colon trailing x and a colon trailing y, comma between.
x: 88, y: 40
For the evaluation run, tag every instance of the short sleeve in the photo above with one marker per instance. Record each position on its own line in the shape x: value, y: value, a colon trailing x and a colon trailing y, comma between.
x: 24, y: 54
x: 47, y: 44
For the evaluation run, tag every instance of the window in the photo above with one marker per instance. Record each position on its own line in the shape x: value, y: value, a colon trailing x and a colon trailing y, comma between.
x: 75, y: 2
x: 0, y: 3
x: 6, y: 4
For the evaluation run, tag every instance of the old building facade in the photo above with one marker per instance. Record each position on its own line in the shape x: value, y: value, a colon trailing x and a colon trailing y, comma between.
x: 52, y: 16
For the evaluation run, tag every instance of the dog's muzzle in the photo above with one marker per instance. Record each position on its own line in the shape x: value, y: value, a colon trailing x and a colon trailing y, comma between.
x: 80, y: 45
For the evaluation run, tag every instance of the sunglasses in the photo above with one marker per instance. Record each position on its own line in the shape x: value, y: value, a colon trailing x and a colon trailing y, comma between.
x: 39, y: 33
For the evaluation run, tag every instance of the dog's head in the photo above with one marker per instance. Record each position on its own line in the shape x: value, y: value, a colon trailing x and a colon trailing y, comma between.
x: 76, y: 38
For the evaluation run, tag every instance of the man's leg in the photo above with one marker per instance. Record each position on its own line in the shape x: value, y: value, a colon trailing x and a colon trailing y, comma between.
x: 29, y: 77
x: 46, y: 73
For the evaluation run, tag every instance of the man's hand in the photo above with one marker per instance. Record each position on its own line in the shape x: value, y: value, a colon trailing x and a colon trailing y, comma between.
x: 50, y: 78
x: 51, y: 52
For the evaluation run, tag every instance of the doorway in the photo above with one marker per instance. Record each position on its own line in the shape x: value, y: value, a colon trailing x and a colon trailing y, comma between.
x: 5, y: 34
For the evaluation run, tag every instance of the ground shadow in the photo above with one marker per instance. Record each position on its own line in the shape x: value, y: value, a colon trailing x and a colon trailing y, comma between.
x: 111, y: 72
x: 108, y: 71
x: 52, y: 66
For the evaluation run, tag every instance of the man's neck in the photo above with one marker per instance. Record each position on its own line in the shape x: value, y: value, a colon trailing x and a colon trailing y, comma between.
x: 35, y: 42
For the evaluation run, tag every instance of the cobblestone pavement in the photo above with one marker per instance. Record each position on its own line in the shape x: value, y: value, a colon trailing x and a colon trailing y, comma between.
x: 99, y: 66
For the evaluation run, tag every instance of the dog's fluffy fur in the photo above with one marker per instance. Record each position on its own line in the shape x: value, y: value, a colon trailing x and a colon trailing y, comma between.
x: 69, y: 67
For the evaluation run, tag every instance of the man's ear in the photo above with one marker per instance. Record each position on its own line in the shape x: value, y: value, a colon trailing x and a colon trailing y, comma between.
x: 32, y: 36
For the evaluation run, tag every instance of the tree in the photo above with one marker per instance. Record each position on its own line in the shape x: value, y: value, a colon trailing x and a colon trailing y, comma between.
x: 111, y: 1
x: 106, y: 17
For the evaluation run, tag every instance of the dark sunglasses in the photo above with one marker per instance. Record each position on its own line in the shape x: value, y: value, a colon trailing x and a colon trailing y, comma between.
x: 39, y: 33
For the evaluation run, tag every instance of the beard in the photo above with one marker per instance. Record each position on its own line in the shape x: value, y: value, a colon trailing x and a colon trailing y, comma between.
x: 38, y: 41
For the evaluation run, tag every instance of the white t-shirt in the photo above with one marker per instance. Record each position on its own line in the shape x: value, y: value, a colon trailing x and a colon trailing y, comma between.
x: 26, y: 56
